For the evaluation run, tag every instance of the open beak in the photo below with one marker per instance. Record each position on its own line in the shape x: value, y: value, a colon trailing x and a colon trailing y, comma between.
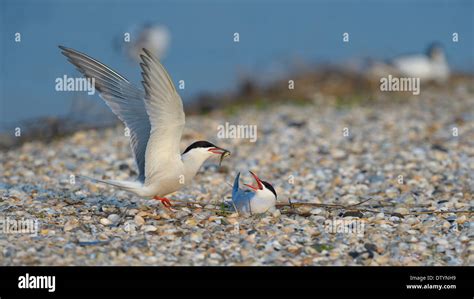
x: 220, y: 151
x: 257, y: 180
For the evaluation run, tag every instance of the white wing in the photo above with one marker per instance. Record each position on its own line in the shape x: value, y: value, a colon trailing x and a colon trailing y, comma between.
x: 124, y: 99
x: 165, y: 110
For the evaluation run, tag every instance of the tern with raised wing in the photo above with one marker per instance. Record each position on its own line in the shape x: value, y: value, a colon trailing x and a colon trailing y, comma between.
x: 155, y: 118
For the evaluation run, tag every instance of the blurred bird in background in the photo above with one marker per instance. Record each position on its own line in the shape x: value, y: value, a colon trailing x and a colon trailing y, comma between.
x: 431, y: 66
x: 153, y: 37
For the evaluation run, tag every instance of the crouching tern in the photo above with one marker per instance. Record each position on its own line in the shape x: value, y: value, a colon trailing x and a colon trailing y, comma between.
x: 259, y: 199
x: 155, y: 118
x: 431, y: 66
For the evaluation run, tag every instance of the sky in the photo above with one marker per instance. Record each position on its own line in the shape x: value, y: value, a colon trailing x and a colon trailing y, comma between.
x: 273, y: 35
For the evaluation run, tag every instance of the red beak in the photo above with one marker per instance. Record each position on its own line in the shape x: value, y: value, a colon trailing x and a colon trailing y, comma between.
x: 259, y: 182
x: 217, y: 150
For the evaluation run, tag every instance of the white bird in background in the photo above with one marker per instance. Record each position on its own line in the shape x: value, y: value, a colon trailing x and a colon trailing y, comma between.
x: 155, y: 118
x: 432, y: 66
x: 154, y: 38
x: 262, y: 199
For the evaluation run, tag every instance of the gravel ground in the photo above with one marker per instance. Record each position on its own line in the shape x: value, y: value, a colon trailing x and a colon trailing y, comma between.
x: 400, y: 157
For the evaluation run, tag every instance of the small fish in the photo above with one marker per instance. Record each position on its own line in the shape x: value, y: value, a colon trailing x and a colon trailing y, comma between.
x: 223, y: 155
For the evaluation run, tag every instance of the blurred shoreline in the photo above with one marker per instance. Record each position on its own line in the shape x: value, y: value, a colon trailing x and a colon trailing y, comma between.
x: 340, y: 86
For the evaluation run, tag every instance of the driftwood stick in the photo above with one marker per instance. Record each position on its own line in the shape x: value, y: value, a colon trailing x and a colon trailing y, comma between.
x: 294, y: 205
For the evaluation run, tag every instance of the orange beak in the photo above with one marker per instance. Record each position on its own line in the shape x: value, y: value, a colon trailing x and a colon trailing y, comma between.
x: 259, y: 182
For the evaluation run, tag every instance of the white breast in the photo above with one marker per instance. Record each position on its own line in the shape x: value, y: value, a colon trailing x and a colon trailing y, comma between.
x: 166, y: 182
x: 261, y: 203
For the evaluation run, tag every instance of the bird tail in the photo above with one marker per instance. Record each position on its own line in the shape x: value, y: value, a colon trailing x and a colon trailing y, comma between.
x: 125, y: 185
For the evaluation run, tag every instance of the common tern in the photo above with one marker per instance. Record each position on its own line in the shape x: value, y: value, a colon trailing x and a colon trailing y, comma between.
x: 431, y: 66
x: 260, y: 199
x: 154, y: 38
x: 155, y: 118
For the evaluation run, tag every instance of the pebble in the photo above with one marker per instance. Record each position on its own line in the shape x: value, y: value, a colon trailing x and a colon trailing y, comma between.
x: 70, y: 225
x: 139, y: 220
x: 149, y: 228
x: 443, y: 242
x: 380, y: 216
x: 403, y: 211
x: 392, y: 193
x: 114, y: 218
x: 196, y: 237
x: 276, y: 213
x: 462, y: 219
x: 105, y: 221
x: 338, y: 154
x: 394, y: 218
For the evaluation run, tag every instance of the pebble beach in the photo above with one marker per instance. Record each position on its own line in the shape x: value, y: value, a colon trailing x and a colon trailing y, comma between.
x: 396, y: 177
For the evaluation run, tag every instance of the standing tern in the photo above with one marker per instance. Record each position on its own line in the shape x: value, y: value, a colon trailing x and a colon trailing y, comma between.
x: 154, y: 38
x: 155, y: 118
x: 261, y: 199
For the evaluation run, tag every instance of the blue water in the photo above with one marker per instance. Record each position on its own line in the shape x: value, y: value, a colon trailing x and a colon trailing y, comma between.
x: 273, y: 35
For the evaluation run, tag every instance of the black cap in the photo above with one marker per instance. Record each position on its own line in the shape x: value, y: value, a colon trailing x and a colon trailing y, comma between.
x: 197, y: 144
x: 269, y: 187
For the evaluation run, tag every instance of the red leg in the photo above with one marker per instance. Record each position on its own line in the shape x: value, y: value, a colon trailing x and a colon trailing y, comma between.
x: 165, y: 201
